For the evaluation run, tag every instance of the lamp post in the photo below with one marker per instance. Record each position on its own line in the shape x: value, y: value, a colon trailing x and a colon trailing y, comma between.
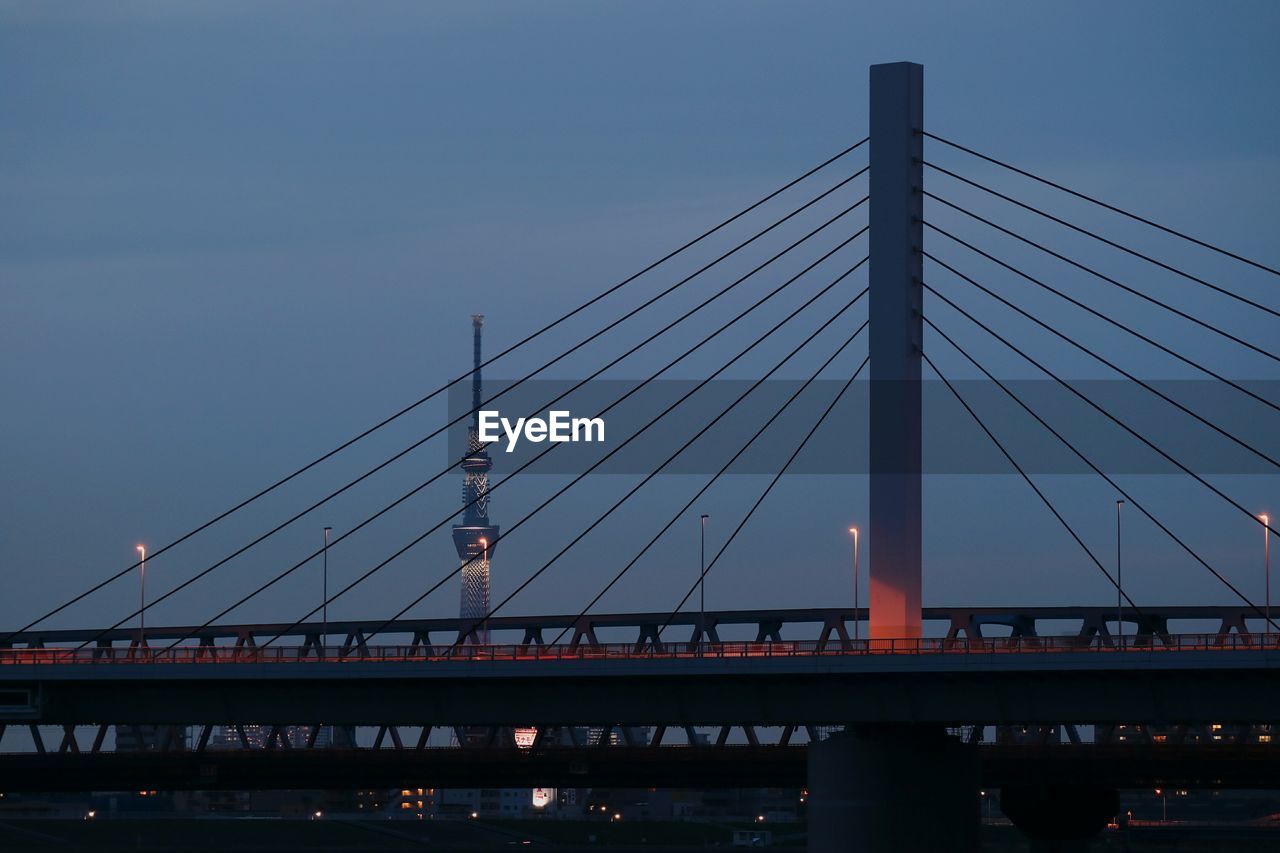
x: 142, y: 600
x: 484, y: 562
x: 702, y: 580
x: 1266, y: 557
x: 1119, y: 581
x: 324, y: 603
x: 856, y: 614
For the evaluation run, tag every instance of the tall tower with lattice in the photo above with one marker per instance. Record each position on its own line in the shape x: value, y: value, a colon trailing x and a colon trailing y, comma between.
x: 475, y: 538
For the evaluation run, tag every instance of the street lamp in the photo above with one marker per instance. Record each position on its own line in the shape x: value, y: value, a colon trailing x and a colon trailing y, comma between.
x: 324, y: 603
x: 1266, y: 556
x: 702, y: 581
x: 856, y: 614
x: 1119, y: 582
x: 484, y: 562
x: 142, y: 610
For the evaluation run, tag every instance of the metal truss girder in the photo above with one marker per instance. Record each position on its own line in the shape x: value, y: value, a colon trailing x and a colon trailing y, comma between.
x: 767, y: 624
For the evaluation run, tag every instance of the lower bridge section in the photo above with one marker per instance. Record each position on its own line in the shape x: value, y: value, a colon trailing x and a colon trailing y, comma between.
x: 742, y: 766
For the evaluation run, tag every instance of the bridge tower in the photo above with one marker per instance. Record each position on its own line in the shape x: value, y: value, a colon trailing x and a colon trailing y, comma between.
x: 475, y: 538
x: 895, y: 272
x: 866, y: 783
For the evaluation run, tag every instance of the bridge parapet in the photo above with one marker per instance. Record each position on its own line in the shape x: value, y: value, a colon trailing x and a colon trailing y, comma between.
x: 1151, y: 626
x: 356, y: 648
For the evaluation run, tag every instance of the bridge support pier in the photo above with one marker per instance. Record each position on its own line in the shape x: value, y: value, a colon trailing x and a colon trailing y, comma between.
x: 885, y: 789
x: 1059, y: 818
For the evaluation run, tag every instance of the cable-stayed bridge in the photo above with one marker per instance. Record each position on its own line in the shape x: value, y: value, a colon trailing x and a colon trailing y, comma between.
x: 1142, y: 677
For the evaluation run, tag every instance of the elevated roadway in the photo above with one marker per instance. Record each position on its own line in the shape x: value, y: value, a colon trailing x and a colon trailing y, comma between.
x: 1193, y: 679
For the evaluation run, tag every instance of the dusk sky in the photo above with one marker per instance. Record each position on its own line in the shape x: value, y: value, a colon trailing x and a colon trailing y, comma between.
x: 233, y: 235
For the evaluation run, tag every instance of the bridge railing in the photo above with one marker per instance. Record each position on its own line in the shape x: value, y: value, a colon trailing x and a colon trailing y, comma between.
x: 211, y: 654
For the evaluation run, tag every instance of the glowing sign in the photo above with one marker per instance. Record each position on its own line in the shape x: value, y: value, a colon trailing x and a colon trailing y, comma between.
x: 542, y: 797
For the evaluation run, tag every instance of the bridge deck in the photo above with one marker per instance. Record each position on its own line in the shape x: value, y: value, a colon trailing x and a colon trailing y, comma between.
x: 1184, y: 679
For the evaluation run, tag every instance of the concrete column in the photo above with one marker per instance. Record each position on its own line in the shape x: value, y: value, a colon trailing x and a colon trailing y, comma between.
x: 888, y: 789
x: 897, y: 117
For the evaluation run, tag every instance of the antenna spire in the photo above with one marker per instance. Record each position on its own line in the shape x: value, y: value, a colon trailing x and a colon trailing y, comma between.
x: 477, y: 322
